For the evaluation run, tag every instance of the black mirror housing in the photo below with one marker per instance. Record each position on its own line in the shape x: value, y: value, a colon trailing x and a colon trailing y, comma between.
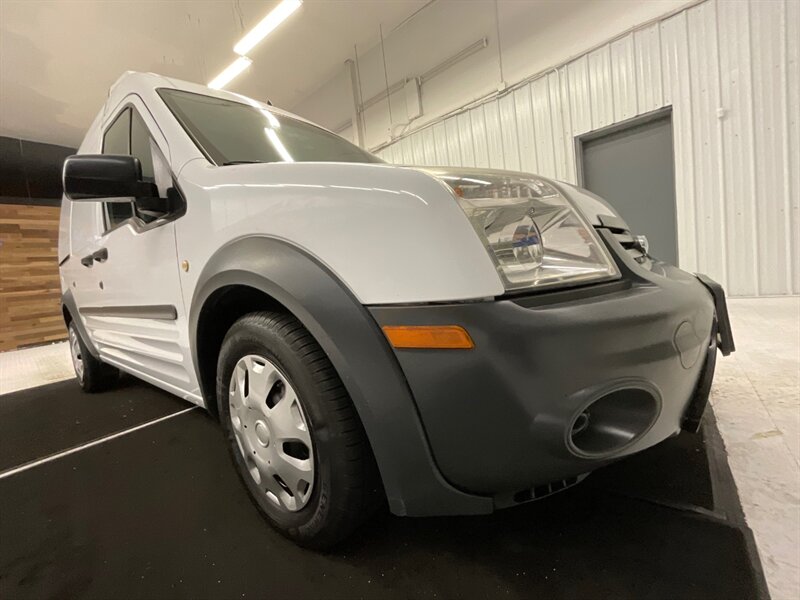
x: 95, y: 177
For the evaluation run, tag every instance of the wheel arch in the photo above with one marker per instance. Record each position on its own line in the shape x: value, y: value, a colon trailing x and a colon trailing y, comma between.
x: 223, y: 307
x: 66, y: 314
x: 69, y: 311
x: 285, y: 276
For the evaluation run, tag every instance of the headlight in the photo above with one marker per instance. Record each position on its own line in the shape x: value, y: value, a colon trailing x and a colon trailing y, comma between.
x: 535, y: 236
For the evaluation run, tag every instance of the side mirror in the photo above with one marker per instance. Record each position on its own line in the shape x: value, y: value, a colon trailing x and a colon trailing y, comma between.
x: 95, y: 177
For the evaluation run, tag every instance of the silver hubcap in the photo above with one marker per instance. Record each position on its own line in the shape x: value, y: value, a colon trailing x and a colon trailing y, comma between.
x: 272, y: 432
x: 75, y: 352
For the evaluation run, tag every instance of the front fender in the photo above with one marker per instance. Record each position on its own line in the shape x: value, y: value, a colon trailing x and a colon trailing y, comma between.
x: 361, y: 356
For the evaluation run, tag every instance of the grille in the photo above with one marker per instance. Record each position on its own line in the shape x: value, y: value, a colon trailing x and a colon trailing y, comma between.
x: 626, y: 240
x: 548, y: 489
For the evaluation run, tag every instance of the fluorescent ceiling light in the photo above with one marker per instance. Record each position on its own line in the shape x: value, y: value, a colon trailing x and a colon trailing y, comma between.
x: 278, y: 144
x: 230, y: 73
x: 277, y: 16
x: 273, y: 122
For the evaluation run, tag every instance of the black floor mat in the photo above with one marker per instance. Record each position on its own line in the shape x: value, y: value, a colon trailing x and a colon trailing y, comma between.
x: 676, y: 472
x: 160, y: 513
x: 40, y: 421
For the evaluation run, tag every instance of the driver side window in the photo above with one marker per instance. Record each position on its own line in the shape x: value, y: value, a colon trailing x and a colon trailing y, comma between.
x: 117, y: 141
x: 128, y: 134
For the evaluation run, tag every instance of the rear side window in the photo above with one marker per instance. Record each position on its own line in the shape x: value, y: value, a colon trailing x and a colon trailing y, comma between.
x: 117, y: 141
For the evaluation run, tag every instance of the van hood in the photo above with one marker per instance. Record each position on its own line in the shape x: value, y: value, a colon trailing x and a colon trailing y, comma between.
x: 390, y: 234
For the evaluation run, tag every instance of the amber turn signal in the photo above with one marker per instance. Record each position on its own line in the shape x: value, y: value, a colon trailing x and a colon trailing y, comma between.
x: 423, y: 336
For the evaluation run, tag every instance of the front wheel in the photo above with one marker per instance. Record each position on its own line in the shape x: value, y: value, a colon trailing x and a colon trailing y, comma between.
x: 293, y: 433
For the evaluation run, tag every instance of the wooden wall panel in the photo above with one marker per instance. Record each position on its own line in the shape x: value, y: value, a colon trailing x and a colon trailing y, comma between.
x: 30, y: 292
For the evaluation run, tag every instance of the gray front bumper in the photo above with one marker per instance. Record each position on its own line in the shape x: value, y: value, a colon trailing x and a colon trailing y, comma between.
x: 498, y: 417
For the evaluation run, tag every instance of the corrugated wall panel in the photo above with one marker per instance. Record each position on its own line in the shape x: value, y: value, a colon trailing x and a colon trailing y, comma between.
x: 623, y: 74
x: 417, y: 149
x: 677, y: 85
x: 578, y: 94
x: 737, y: 131
x: 543, y: 127
x: 525, y: 133
x: 407, y: 152
x: 398, y: 153
x: 494, y: 135
x: 440, y: 141
x: 730, y: 72
x: 647, y: 57
x: 453, y: 142
x: 769, y: 93
x: 465, y: 134
x: 793, y: 132
x: 704, y: 82
x: 567, y: 121
x: 563, y: 168
x: 387, y: 154
x: 479, y: 137
x: 508, y: 129
x: 428, y: 146
x: 601, y: 95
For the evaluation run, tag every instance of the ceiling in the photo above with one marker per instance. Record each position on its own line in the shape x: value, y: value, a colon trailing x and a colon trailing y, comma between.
x: 59, y: 57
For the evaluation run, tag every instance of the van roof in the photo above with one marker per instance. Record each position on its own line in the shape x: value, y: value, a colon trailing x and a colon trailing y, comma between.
x: 136, y: 82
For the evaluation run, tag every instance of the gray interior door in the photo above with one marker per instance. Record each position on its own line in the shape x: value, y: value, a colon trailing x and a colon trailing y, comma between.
x: 633, y: 169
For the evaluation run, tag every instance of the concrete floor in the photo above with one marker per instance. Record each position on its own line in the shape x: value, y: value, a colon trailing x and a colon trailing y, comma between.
x: 756, y: 398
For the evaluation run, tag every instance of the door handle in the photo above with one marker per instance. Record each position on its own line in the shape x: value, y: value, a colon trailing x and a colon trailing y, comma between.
x: 99, y: 256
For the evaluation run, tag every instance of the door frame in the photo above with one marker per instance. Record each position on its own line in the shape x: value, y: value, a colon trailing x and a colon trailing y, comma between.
x: 655, y: 115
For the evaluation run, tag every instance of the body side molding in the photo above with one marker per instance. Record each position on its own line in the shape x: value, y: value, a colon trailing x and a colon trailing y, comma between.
x: 166, y: 312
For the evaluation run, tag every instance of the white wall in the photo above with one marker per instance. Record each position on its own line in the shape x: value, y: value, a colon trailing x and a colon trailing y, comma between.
x: 728, y: 68
x: 533, y: 35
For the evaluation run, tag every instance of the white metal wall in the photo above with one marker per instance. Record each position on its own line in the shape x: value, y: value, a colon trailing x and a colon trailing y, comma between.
x: 730, y: 71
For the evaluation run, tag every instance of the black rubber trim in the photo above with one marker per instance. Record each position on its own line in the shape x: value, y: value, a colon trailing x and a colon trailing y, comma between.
x: 725, y: 332
x: 693, y: 416
x: 176, y: 198
x: 567, y: 295
x: 612, y: 222
x: 68, y: 302
x: 361, y: 355
x: 166, y: 312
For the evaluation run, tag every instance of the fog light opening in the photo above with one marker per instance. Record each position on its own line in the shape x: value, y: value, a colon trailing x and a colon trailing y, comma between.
x: 580, y: 424
x: 613, y: 422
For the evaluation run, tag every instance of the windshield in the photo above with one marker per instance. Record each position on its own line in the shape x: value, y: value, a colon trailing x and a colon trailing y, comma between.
x: 233, y: 133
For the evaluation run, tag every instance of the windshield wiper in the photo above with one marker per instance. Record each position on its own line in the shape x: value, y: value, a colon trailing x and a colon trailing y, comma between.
x: 241, y: 162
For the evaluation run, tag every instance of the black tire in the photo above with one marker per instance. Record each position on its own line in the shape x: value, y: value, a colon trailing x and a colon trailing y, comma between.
x: 97, y: 376
x: 346, y: 487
